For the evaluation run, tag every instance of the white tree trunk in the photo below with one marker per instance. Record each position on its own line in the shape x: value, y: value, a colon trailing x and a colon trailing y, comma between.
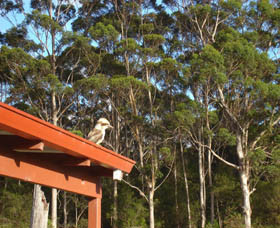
x: 54, y: 207
x: 40, y: 209
x: 151, y: 208
x: 186, y: 184
x: 176, y: 190
x: 244, y: 180
x: 115, y: 209
x: 246, y: 199
x: 212, y: 199
x: 202, y: 187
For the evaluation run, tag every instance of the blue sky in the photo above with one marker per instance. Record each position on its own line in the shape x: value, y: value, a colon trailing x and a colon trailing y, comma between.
x: 14, y: 18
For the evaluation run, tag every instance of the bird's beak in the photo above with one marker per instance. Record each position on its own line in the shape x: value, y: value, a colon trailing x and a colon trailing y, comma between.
x: 110, y: 126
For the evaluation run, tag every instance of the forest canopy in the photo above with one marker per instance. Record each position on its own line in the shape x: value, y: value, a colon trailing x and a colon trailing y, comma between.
x: 190, y: 86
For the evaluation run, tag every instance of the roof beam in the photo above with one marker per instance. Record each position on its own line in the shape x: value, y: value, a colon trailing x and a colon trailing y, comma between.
x: 30, y: 145
x: 45, y: 169
x: 78, y: 162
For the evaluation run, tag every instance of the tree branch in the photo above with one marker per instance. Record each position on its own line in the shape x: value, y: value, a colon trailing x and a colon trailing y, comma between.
x: 138, y: 189
x: 253, y: 144
x: 165, y: 178
x: 223, y: 104
x: 213, y: 152
x: 221, y: 159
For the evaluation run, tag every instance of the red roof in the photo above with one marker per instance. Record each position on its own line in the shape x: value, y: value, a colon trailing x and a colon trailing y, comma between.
x: 55, y: 139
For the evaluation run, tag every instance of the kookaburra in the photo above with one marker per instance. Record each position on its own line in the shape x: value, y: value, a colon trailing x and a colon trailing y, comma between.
x: 98, y: 133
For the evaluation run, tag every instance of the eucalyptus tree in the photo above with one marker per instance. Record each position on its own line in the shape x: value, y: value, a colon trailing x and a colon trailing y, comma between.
x: 262, y: 26
x: 139, y: 51
x: 43, y: 82
x: 247, y: 92
x: 95, y: 86
x: 198, y: 24
x: 256, y: 98
x: 201, y: 25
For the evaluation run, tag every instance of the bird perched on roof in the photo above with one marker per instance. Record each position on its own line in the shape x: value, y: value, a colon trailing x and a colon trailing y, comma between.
x: 98, y: 133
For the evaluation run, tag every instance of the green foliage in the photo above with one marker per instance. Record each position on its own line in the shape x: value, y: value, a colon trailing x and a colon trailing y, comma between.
x: 132, y: 212
x: 170, y: 65
x: 231, y: 5
x: 95, y: 82
x: 147, y: 28
x: 15, y: 204
x: 266, y: 201
x: 184, y: 115
x: 17, y: 37
x: 129, y: 45
x: 208, y: 64
x: 126, y: 82
x: 166, y: 154
x: 201, y: 9
x: 77, y: 132
x: 52, y: 82
x: 43, y: 21
x: 225, y: 136
x: 103, y: 33
x: 83, y: 223
x: 77, y: 41
x: 224, y: 184
x: 234, y: 220
x: 257, y: 157
x: 214, y: 225
x: 153, y: 40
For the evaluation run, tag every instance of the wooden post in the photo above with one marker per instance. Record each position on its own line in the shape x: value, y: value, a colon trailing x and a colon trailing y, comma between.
x: 94, y: 213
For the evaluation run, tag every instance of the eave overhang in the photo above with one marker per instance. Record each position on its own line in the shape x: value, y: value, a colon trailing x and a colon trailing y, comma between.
x: 41, y: 134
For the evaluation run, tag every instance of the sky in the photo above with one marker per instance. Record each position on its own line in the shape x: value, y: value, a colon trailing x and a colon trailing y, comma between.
x: 5, y: 24
x: 12, y: 19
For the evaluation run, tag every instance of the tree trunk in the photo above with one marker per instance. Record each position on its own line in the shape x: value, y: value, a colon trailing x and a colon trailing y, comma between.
x: 115, y: 209
x: 5, y: 183
x: 209, y: 145
x: 65, y: 209
x: 116, y: 121
x: 151, y: 185
x: 246, y: 199
x: 151, y: 208
x: 186, y: 184
x: 54, y: 190
x: 54, y: 112
x: 40, y: 209
x: 244, y: 180
x: 76, y: 216
x: 212, y: 206
x: 218, y: 214
x: 54, y: 207
x: 202, y: 186
x: 176, y: 191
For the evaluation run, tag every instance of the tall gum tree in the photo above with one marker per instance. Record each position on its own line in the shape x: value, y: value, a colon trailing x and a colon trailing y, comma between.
x: 198, y: 24
x: 42, y: 83
x: 139, y: 50
x: 247, y: 93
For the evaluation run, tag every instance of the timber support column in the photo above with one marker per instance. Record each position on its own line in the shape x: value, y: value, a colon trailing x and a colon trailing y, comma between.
x: 94, y: 213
